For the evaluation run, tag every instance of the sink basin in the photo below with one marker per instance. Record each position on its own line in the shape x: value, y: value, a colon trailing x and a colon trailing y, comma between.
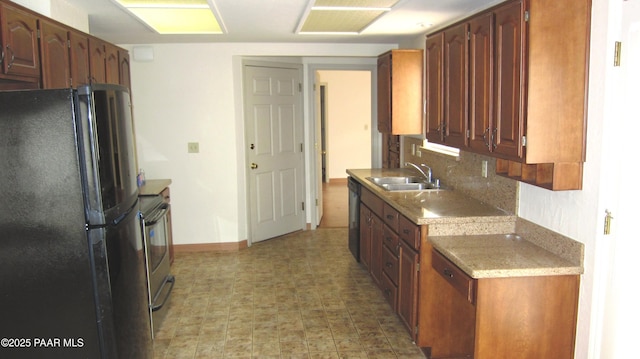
x: 403, y: 183
x: 395, y: 180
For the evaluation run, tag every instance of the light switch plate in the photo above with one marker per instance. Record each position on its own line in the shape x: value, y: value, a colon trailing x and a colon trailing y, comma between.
x: 193, y: 147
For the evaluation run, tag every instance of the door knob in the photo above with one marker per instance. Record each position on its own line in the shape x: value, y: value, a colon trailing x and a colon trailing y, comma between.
x: 254, y: 166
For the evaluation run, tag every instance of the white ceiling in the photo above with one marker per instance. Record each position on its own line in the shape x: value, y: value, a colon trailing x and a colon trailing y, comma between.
x: 276, y: 21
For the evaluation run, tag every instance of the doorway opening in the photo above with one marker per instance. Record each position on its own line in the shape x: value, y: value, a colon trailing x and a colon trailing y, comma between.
x: 344, y: 112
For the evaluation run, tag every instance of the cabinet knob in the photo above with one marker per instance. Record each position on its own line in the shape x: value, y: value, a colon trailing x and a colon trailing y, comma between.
x: 254, y: 166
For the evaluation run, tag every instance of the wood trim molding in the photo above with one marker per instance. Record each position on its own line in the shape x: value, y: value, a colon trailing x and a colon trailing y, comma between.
x: 211, y: 247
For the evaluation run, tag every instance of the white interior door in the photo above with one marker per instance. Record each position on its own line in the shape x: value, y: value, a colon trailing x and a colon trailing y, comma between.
x: 274, y: 137
x: 621, y: 313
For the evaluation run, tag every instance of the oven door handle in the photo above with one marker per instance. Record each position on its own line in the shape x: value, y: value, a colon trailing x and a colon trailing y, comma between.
x: 169, y: 279
x: 154, y: 217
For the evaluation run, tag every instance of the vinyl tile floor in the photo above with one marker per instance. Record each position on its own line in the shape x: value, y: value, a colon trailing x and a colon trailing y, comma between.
x: 301, y: 295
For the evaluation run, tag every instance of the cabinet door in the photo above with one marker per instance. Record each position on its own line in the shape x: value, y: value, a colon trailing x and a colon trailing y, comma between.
x: 112, y: 64
x: 481, y: 82
x: 375, y: 267
x: 54, y: 49
x: 19, y: 42
x: 97, y: 61
x: 365, y: 236
x: 455, y: 86
x: 433, y: 87
x: 79, y: 57
x: 384, y: 93
x: 408, y: 287
x: 508, y: 116
x: 124, y: 68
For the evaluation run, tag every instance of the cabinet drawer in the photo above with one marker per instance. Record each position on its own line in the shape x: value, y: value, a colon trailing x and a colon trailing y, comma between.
x: 390, y: 291
x: 390, y: 264
x: 409, y: 231
x: 390, y: 217
x: 371, y: 200
x: 390, y: 239
x: 454, y: 275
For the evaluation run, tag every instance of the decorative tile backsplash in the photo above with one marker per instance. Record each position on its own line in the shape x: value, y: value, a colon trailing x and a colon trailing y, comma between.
x: 465, y: 175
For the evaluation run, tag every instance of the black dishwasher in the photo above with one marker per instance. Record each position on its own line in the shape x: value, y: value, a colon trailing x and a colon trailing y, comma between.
x: 354, y: 218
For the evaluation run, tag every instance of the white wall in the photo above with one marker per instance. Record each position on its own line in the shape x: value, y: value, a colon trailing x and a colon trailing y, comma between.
x: 191, y: 93
x: 59, y: 10
x: 348, y: 121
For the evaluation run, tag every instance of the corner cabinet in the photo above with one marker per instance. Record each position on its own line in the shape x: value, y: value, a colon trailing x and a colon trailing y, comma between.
x: 525, y: 93
x: 400, y: 92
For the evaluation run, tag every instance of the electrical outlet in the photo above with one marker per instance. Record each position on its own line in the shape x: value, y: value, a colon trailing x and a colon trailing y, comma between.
x: 193, y: 147
x: 484, y: 169
x: 418, y: 153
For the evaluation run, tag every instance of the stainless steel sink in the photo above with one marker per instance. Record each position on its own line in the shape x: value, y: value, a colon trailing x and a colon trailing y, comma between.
x: 404, y: 183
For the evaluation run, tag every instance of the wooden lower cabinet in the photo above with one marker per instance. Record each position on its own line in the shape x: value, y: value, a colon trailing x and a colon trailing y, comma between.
x: 371, y: 243
x: 514, y: 317
x: 388, y: 249
x: 408, y: 265
x: 451, y: 315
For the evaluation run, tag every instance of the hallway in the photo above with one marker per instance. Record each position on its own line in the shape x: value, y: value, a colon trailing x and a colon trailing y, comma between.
x: 335, y: 203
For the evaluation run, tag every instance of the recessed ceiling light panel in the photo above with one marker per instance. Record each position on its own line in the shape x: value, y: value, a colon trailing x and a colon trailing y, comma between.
x: 341, y: 16
x: 176, y: 16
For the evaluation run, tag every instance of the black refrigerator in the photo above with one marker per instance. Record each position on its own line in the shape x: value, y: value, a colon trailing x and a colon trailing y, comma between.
x: 72, y: 267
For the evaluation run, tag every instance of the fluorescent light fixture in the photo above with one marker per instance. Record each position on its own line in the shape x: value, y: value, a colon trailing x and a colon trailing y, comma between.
x: 328, y: 33
x: 349, y: 8
x: 341, y: 17
x: 445, y: 150
x: 176, y: 16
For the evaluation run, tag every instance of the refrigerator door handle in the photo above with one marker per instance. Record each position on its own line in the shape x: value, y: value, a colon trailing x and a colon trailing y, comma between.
x: 170, y: 279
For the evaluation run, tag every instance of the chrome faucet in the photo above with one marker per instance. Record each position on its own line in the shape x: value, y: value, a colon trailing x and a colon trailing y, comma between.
x: 426, y: 175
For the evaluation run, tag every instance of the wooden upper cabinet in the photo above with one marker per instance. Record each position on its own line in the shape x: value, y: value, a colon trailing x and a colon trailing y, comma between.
x: 125, y: 68
x: 557, y: 43
x: 79, y: 57
x: 551, y: 145
x: 526, y: 93
x: 481, y: 82
x: 384, y: 93
x: 20, y: 56
x: 508, y: 126
x: 112, y: 64
x: 455, y: 86
x: 400, y: 92
x: 433, y: 87
x: 97, y: 60
x: 54, y: 53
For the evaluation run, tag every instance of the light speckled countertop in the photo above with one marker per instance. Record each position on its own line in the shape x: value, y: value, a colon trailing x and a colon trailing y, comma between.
x: 154, y: 187
x: 476, y: 236
x: 430, y: 207
x: 495, y: 256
